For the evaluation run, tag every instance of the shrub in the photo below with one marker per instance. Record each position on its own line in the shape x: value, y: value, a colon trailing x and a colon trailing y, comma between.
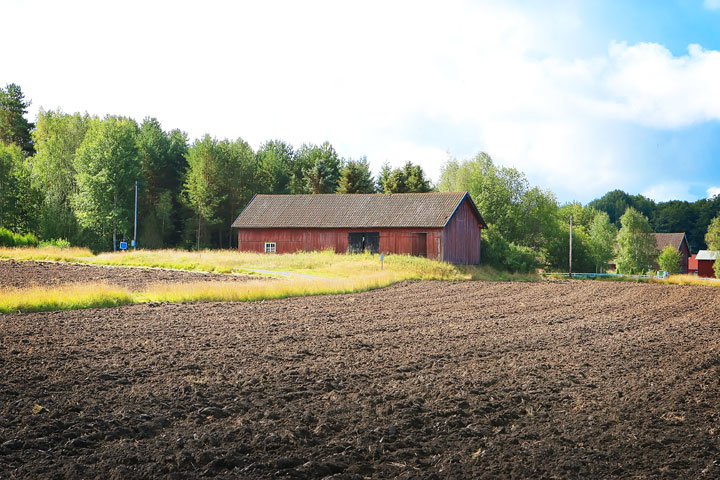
x: 669, y: 260
x: 27, y: 240
x: 501, y: 254
x: 7, y: 238
x: 55, y: 242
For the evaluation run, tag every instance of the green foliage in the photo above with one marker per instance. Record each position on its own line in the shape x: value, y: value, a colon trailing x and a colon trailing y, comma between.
x: 55, y: 242
x: 712, y: 237
x: 692, y: 218
x: 10, y: 239
x: 615, y: 204
x: 278, y: 168
x: 19, y: 201
x: 57, y: 137
x: 637, y: 247
x: 501, y: 254
x: 408, y: 179
x: 602, y: 236
x: 7, y: 238
x: 355, y: 177
x: 14, y: 128
x: 383, y: 177
x: 107, y: 165
x: 498, y: 193
x: 321, y: 168
x: 669, y: 260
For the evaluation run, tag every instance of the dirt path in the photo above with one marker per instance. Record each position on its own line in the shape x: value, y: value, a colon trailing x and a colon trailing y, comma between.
x: 26, y: 274
x: 420, y: 380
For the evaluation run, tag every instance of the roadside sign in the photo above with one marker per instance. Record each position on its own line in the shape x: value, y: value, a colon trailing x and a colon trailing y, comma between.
x: 382, y: 257
x: 123, y: 245
x: 132, y: 243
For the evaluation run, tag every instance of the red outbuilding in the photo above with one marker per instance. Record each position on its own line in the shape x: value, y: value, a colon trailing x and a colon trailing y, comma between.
x: 439, y: 226
x: 706, y: 262
x: 693, y: 264
x: 677, y: 241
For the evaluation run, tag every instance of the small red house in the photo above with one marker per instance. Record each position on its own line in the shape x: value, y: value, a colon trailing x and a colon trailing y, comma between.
x: 706, y: 262
x: 679, y: 242
x: 440, y: 226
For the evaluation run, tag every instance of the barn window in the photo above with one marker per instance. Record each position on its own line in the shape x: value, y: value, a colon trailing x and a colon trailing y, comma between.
x: 270, y: 247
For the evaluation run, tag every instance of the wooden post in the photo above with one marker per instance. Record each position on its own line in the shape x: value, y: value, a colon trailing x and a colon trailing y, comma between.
x: 570, y: 259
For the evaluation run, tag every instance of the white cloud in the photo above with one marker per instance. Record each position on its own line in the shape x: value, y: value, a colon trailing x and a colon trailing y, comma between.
x: 669, y: 191
x: 390, y: 80
x: 712, y: 4
x: 713, y: 191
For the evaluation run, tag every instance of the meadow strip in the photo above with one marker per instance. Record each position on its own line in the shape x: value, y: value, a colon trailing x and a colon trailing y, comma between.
x: 79, y: 296
x: 69, y: 297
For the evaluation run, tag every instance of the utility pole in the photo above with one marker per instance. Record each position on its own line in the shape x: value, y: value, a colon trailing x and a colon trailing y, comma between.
x: 570, y: 260
x: 135, y: 231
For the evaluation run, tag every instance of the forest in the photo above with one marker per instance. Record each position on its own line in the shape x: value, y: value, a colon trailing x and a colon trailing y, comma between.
x: 72, y: 178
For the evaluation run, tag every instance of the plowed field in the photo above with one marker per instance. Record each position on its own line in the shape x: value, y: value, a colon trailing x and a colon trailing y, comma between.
x: 573, y: 379
x: 28, y: 274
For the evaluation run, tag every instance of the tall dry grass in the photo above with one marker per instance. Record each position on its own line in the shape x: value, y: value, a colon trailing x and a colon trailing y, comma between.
x: 687, y: 280
x: 69, y: 297
x: 56, y: 254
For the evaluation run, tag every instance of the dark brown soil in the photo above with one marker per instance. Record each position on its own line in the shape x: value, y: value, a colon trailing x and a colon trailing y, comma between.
x: 27, y: 274
x: 420, y: 380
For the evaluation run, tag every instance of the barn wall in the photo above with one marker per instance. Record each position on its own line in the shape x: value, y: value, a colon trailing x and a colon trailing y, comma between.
x: 685, y: 252
x: 705, y: 268
x: 461, y: 237
x: 290, y: 240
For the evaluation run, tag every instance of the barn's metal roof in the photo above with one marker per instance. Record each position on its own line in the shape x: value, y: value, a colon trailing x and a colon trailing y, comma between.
x: 708, y: 255
x: 353, y: 210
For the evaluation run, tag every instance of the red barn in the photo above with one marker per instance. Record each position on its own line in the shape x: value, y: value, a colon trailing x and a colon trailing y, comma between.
x: 679, y: 242
x: 706, y: 262
x: 439, y: 226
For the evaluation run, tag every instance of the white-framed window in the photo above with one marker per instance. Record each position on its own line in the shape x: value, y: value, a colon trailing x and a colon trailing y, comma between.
x: 270, y: 247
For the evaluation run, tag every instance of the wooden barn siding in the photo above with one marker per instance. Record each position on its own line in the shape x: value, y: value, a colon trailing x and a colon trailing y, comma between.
x: 290, y: 240
x: 461, y: 237
x: 705, y: 268
x: 685, y: 252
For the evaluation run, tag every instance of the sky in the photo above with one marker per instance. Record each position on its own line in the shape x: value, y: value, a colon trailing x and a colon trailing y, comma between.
x: 584, y: 97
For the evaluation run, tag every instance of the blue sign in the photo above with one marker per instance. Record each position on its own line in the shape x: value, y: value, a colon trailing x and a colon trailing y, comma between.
x: 123, y: 245
x: 132, y: 243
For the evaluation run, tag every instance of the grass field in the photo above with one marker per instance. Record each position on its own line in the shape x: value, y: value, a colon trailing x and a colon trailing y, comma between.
x: 333, y: 274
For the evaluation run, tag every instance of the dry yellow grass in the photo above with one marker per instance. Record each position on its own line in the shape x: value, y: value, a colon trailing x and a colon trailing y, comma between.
x: 69, y: 297
x: 688, y: 280
x: 334, y: 274
x: 71, y: 254
x: 77, y: 296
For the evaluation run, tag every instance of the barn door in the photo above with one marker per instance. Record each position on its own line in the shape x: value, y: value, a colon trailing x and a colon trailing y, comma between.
x: 359, y: 242
x: 356, y: 242
x: 372, y: 242
x: 419, y: 244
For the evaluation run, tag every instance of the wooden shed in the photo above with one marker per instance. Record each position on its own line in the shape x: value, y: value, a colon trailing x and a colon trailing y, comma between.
x: 439, y: 226
x: 706, y: 262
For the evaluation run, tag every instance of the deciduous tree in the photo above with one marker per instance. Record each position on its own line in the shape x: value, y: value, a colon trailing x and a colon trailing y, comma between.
x: 107, y: 165
x: 57, y: 138
x: 637, y: 246
x: 669, y: 260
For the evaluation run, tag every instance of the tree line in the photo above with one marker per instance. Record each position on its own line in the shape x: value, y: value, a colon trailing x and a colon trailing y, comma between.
x: 72, y: 176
